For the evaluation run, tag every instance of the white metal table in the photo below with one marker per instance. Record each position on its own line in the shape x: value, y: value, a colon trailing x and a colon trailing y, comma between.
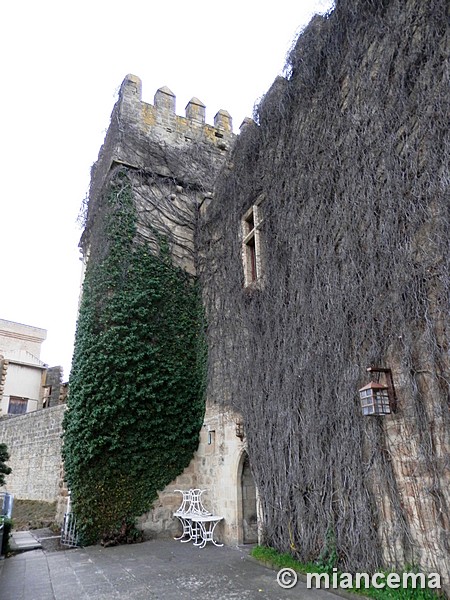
x: 206, y: 526
x: 198, y: 523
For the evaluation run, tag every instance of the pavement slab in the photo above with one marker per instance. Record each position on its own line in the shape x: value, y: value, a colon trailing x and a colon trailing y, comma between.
x: 22, y: 541
x: 152, y: 570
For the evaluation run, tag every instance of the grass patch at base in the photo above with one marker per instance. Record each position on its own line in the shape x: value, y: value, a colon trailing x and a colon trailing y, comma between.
x: 278, y: 560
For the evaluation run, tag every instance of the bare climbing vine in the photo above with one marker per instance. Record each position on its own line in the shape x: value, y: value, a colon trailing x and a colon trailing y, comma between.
x: 350, y: 154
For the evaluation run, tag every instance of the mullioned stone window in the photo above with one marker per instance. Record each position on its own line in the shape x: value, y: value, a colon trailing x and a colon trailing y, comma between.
x: 251, y: 245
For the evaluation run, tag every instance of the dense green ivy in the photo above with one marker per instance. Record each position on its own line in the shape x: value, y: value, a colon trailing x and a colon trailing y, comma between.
x: 4, y: 469
x: 136, y: 399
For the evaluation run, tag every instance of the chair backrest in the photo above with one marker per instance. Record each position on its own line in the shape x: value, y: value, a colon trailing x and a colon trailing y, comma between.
x: 186, y: 501
x: 197, y: 507
x: 192, y: 503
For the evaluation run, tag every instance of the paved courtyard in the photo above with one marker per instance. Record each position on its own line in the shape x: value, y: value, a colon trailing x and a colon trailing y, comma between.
x: 159, y: 569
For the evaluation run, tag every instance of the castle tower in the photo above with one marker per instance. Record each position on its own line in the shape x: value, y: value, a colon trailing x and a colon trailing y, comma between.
x: 173, y: 161
x: 140, y: 348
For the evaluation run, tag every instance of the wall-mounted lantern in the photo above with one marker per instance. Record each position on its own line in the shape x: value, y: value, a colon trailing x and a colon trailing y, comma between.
x: 378, y: 399
x: 211, y: 435
x: 240, y: 430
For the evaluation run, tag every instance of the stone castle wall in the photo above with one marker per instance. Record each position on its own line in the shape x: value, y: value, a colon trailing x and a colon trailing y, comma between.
x: 341, y: 138
x: 34, y: 444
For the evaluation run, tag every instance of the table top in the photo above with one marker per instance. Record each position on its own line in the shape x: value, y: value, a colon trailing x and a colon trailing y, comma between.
x: 205, y: 519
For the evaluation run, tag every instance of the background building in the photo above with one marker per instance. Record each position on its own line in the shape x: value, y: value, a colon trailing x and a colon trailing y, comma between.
x: 23, y: 373
x: 32, y: 434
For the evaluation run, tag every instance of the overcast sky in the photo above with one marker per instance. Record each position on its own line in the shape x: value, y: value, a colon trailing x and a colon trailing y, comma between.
x: 62, y: 64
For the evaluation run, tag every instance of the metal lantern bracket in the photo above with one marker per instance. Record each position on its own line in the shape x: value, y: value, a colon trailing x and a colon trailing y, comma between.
x: 389, y: 384
x: 240, y: 430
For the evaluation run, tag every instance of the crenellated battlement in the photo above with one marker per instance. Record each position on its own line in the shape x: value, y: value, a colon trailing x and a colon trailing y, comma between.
x: 183, y: 154
x: 161, y: 118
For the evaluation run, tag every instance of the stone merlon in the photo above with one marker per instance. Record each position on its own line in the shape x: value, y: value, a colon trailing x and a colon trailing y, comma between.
x: 195, y: 110
x: 131, y: 86
x: 223, y: 121
x: 165, y: 100
x: 163, y: 110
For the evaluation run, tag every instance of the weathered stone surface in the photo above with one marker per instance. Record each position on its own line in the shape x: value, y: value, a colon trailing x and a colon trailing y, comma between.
x: 34, y: 440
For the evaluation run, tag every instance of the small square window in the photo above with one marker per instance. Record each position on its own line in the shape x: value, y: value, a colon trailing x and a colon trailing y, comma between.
x: 17, y: 406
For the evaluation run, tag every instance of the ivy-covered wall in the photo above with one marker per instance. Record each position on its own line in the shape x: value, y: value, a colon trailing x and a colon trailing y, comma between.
x: 136, y: 399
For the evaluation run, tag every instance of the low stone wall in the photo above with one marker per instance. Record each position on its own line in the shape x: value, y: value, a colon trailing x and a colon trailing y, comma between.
x: 34, y: 444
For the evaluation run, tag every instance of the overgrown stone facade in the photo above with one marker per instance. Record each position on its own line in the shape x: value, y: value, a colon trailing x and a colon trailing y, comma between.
x: 346, y: 173
x: 320, y: 237
x: 173, y: 162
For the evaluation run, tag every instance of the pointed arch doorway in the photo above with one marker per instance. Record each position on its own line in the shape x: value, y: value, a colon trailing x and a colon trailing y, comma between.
x: 248, y: 502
